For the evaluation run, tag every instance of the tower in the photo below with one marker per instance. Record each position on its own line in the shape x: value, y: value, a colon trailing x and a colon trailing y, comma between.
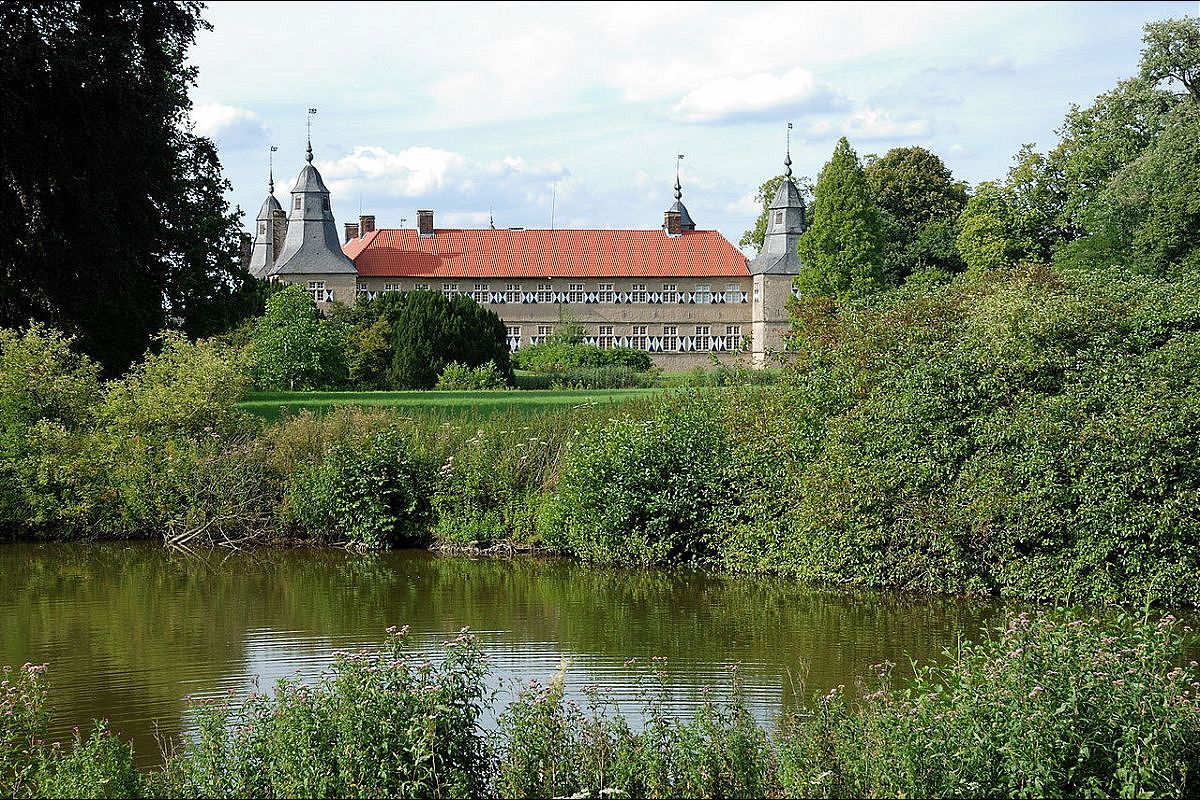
x: 311, y: 246
x: 776, y: 265
x: 267, y: 224
x: 685, y: 219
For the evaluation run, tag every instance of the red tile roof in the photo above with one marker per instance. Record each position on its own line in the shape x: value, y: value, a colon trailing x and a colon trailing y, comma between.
x: 487, y: 253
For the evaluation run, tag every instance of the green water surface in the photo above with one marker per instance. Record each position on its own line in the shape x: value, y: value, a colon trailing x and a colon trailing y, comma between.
x: 131, y: 630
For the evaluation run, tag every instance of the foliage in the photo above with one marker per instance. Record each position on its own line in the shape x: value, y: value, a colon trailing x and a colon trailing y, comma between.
x: 371, y: 492
x: 43, y: 378
x: 843, y: 247
x: 1172, y: 53
x: 636, y: 491
x: 559, y: 354
x: 109, y: 229
x: 98, y: 766
x: 459, y: 377
x: 1048, y: 707
x: 614, y: 377
x: 383, y: 723
x: 293, y: 348
x: 921, y: 202
x: 430, y: 331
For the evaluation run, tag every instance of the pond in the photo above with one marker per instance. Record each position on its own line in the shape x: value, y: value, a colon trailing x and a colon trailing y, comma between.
x: 131, y: 629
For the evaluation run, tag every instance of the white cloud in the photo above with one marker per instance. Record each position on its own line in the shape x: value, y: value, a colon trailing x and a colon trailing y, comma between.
x: 230, y: 126
x: 757, y: 96
x: 412, y: 172
x: 871, y: 124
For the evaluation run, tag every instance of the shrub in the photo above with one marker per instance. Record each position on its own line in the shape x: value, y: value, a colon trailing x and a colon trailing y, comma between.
x: 641, y: 491
x: 559, y: 354
x: 98, y: 766
x: 1048, y: 707
x: 386, y: 723
x: 371, y: 492
x: 609, y: 377
x: 460, y: 377
x: 294, y: 349
x: 42, y: 377
x: 430, y: 331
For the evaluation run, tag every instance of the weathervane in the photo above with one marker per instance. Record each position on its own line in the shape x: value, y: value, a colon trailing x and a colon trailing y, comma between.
x: 787, y: 161
x: 678, y: 188
x: 271, y: 170
x: 308, y: 154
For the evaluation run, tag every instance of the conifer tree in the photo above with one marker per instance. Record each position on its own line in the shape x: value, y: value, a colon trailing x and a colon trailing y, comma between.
x: 843, y: 248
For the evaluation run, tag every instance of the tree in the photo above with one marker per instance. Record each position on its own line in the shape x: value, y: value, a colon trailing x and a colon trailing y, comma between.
x: 987, y: 236
x: 294, y: 349
x: 921, y: 202
x: 764, y: 196
x: 431, y: 331
x: 111, y: 214
x: 1172, y: 52
x: 843, y: 248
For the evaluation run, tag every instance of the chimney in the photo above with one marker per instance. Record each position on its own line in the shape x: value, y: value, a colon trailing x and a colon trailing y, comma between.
x: 424, y: 223
x: 671, y: 223
x: 366, y: 224
x: 351, y: 230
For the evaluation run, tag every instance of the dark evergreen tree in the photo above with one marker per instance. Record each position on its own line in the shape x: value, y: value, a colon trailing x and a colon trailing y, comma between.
x: 429, y: 331
x: 112, y: 219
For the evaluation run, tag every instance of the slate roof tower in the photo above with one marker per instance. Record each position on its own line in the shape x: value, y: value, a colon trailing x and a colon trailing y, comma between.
x: 270, y: 216
x: 685, y: 219
x: 311, y: 245
x: 785, y: 223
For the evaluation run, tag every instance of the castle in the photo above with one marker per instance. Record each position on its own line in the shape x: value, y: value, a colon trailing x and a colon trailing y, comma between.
x: 682, y: 295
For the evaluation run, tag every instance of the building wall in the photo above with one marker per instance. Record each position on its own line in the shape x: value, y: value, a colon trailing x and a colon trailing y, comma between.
x: 623, y: 312
x: 770, y: 321
x: 326, y: 289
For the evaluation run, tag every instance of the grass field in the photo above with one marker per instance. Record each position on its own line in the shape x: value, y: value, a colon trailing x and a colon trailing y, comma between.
x: 272, y: 405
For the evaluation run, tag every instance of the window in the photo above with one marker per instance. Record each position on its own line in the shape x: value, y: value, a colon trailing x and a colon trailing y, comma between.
x: 605, y: 337
x: 362, y: 288
x: 317, y: 290
x: 417, y: 287
x: 545, y: 293
x: 544, y: 332
x: 757, y: 293
x: 670, y: 338
x: 638, y: 293
x: 481, y: 293
x: 733, y: 293
x: 606, y: 294
x: 262, y: 229
x: 512, y: 293
x: 325, y: 203
x: 513, y: 332
x: 704, y: 293
x: 393, y: 287
x: 779, y: 217
x: 670, y: 293
x: 450, y: 290
x: 296, y: 201
x: 574, y: 292
x: 639, y: 339
x: 733, y: 337
x: 703, y: 343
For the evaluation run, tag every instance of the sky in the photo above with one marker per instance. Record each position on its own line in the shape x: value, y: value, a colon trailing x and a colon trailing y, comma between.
x: 571, y: 115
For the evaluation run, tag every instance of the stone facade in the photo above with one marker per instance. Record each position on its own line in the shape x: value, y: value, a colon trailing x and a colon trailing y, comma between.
x: 683, y: 295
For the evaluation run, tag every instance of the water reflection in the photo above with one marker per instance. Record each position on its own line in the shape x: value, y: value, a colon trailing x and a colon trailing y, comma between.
x: 131, y: 629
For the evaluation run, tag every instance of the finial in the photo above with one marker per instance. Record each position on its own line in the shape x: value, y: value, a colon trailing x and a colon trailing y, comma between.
x: 271, y: 170
x: 308, y: 152
x: 787, y: 161
x: 678, y: 188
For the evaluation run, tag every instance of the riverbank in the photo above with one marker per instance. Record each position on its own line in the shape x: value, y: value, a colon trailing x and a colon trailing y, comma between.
x: 1049, y: 705
x: 1027, y: 434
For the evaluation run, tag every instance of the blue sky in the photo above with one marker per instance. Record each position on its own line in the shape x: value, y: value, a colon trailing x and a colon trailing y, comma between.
x: 580, y: 109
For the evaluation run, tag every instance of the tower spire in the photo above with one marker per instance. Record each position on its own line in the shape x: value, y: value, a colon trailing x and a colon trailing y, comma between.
x: 271, y: 170
x: 678, y: 188
x: 787, y: 161
x: 308, y: 153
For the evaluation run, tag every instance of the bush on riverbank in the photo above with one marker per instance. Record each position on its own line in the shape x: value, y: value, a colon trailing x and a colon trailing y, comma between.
x: 1048, y: 706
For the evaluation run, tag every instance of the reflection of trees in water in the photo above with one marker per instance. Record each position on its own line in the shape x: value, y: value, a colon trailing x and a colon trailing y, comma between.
x: 134, y: 626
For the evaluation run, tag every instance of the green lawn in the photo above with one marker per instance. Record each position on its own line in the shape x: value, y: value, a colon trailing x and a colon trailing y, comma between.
x: 272, y: 404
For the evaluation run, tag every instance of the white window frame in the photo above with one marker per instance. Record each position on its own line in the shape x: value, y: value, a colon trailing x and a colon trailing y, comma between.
x: 417, y: 287
x: 604, y: 337
x: 481, y: 292
x: 605, y: 293
x: 391, y: 287
x: 733, y: 292
x: 544, y: 332
x: 638, y: 293
x: 575, y: 293
x: 704, y: 293
x: 670, y: 339
x: 640, y: 337
x: 449, y: 290
x: 512, y: 293
x: 670, y: 293
x: 703, y: 338
x: 733, y: 337
x: 545, y: 293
